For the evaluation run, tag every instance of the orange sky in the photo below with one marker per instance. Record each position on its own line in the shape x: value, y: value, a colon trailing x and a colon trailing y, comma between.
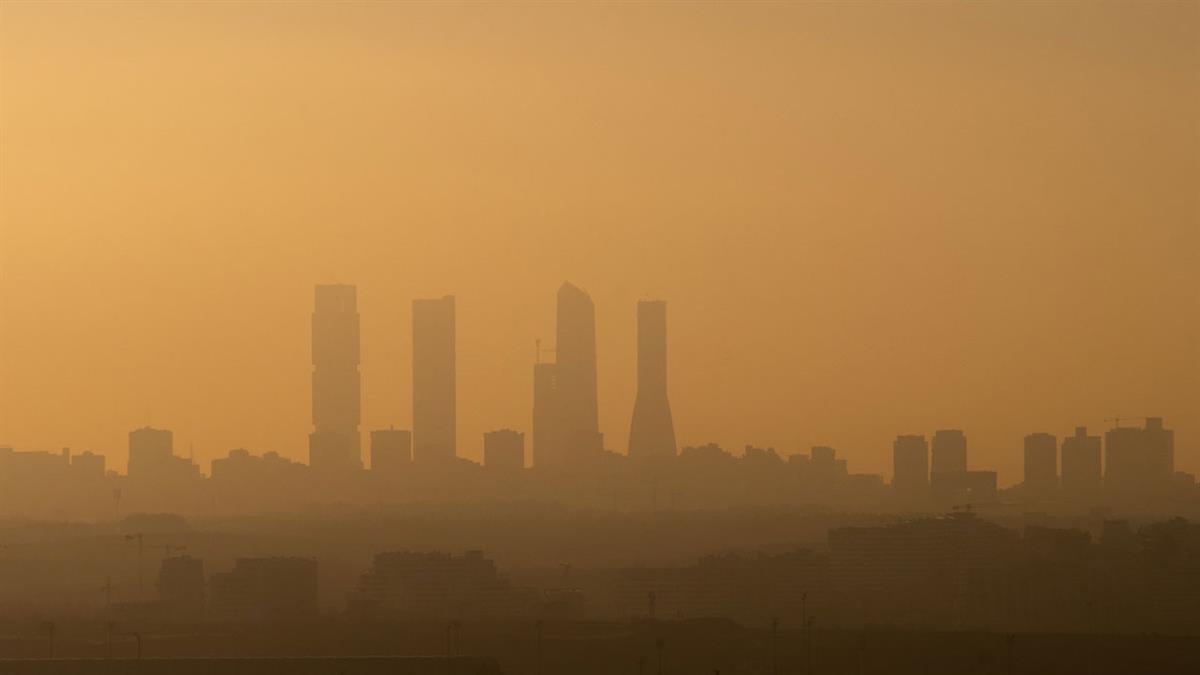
x: 867, y: 219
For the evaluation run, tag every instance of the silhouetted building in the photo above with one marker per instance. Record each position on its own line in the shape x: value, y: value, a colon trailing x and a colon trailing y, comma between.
x: 243, y: 482
x: 240, y: 465
x: 181, y: 588
x: 949, y: 451
x: 151, y: 459
x: 1041, y: 466
x: 31, y: 481
x: 437, y: 585
x: 265, y: 589
x: 824, y: 464
x: 1139, y: 462
x: 1171, y: 549
x: 910, y: 467
x: 88, y: 466
x: 391, y: 451
x: 335, y: 444
x: 651, y: 432
x: 965, y: 487
x: 826, y: 473
x: 743, y: 588
x: 1081, y: 472
x: 576, y: 373
x: 434, y: 381
x: 548, y: 450
x: 504, y: 449
x: 1118, y: 535
x: 863, y: 485
x: 149, y: 449
x: 979, y: 486
x: 920, y: 566
x: 949, y: 463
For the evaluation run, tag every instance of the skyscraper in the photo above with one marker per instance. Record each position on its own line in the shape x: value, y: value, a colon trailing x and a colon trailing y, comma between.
x: 651, y: 432
x: 434, y: 388
x: 547, y: 443
x: 910, y: 467
x: 579, y: 428
x: 1041, y: 466
x: 1081, y: 476
x: 948, y: 474
x: 949, y: 451
x: 334, y: 443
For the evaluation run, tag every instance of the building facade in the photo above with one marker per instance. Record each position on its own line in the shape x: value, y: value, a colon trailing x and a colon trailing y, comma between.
x: 335, y: 443
x: 435, y: 420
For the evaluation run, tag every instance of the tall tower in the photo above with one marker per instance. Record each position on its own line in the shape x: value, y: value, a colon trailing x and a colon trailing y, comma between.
x: 434, y: 415
x: 949, y: 451
x: 579, y: 428
x: 651, y: 432
x: 547, y: 444
x: 334, y: 443
x: 1041, y: 466
x: 948, y: 464
x: 910, y: 467
x: 1081, y: 466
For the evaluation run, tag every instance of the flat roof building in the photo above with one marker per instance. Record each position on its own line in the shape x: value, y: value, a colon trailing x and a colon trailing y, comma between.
x: 434, y: 381
x: 1041, y: 466
x: 335, y: 444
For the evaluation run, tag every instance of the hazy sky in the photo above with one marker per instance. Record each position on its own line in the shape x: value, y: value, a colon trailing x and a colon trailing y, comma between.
x: 867, y: 219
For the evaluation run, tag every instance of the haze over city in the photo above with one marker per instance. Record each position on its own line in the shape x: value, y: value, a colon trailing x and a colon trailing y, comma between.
x: 867, y: 220
x: 592, y: 338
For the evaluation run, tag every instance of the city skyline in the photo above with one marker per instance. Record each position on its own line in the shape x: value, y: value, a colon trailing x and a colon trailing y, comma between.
x: 512, y: 338
x: 336, y: 446
x: 869, y: 221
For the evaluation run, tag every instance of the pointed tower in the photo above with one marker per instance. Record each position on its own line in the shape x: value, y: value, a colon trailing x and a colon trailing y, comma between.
x: 651, y: 433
